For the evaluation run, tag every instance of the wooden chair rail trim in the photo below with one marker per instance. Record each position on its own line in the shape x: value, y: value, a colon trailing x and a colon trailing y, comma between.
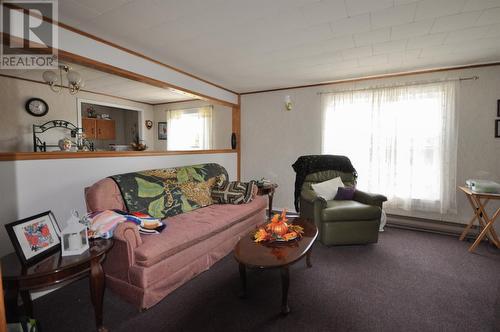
x: 10, y: 156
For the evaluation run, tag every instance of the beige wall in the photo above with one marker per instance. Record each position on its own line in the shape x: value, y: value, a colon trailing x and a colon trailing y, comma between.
x: 273, y: 138
x: 221, y: 126
x: 16, y: 124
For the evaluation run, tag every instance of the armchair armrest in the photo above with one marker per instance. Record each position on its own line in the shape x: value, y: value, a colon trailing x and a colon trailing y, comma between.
x: 311, y: 206
x: 310, y: 196
x: 369, y: 199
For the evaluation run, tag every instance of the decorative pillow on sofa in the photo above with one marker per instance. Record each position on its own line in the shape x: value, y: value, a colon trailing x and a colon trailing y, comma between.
x: 345, y: 194
x: 234, y: 192
x: 328, y: 189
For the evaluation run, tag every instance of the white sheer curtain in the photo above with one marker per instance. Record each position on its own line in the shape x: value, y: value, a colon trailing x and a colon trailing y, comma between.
x: 401, y: 140
x: 190, y: 129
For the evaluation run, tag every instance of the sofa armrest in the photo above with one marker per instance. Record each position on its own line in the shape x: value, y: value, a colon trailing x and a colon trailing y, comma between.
x: 369, y: 199
x: 127, y: 239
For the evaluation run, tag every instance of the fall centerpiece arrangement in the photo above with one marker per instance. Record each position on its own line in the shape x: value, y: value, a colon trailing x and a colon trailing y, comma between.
x: 278, y: 229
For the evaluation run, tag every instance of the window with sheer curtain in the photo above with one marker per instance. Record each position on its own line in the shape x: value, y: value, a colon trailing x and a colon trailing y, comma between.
x: 401, y: 140
x: 189, y: 129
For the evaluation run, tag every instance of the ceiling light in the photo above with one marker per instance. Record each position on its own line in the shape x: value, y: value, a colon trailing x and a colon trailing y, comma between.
x: 74, y: 78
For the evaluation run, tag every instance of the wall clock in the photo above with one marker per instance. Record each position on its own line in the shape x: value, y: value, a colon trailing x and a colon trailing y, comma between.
x: 36, y: 107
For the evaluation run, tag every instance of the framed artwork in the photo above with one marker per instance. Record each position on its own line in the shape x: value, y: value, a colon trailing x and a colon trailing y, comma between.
x: 497, y: 128
x: 162, y: 130
x: 34, y: 237
x: 498, y: 108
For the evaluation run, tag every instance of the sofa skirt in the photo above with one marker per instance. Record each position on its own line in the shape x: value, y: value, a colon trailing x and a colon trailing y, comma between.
x: 145, y: 289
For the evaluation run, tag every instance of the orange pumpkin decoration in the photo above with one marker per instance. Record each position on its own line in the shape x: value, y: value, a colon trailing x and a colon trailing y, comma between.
x: 278, y: 224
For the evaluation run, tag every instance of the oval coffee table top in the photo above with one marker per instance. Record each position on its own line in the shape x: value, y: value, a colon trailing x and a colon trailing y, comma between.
x: 276, y: 254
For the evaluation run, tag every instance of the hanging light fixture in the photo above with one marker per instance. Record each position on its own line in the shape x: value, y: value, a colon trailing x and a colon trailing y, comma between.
x: 75, y: 82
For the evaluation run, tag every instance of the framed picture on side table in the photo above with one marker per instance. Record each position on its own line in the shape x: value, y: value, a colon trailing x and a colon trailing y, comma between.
x: 162, y: 130
x: 35, y: 237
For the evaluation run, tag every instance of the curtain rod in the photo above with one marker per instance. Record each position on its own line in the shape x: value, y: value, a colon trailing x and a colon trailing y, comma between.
x: 474, y: 78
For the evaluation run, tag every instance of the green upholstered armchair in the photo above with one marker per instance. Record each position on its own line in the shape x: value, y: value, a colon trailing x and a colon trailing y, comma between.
x: 342, y: 222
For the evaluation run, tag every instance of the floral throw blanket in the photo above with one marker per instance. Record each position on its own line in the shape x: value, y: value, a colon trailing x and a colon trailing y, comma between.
x: 167, y: 192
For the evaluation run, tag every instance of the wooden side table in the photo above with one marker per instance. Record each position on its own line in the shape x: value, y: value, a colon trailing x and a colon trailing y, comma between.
x: 269, y: 191
x: 478, y: 203
x: 53, y: 270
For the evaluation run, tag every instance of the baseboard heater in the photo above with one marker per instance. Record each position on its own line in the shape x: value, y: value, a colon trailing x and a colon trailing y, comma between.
x: 420, y: 224
x: 429, y: 225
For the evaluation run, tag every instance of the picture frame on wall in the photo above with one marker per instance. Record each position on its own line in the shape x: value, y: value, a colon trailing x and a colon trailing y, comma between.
x: 498, y: 108
x: 497, y: 128
x: 34, y: 237
x: 162, y: 131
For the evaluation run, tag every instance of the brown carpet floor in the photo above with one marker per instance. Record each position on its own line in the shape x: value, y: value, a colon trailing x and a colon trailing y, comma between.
x: 409, y: 281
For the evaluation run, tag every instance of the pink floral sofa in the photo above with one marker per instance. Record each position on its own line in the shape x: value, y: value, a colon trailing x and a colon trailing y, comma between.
x: 143, y: 269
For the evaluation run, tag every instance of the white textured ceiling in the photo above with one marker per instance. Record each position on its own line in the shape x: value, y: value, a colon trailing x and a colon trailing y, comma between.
x: 248, y: 45
x: 101, y: 82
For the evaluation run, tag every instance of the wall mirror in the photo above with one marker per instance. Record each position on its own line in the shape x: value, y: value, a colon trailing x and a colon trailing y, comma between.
x: 112, y: 111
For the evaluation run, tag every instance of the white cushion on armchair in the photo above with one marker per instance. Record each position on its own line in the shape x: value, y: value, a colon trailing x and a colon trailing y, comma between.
x: 327, y: 189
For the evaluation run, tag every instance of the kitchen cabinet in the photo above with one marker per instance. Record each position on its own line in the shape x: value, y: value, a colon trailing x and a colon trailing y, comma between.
x: 99, y: 129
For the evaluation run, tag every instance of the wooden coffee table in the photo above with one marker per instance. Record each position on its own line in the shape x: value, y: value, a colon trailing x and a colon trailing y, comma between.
x: 275, y: 255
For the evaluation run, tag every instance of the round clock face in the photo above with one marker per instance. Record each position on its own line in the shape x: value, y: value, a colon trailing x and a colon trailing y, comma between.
x: 37, y: 107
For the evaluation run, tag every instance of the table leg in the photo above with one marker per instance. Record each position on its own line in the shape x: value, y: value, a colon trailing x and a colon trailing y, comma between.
x: 480, y: 237
x: 27, y: 303
x: 483, y: 216
x: 494, y: 233
x: 468, y: 227
x: 243, y: 278
x: 477, y: 215
x: 285, y: 283
x: 308, y: 258
x: 97, y: 291
x: 11, y: 295
x: 271, y: 195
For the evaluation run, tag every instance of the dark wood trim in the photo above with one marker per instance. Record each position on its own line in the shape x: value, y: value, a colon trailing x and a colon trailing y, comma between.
x: 376, y: 77
x: 9, y: 156
x: 236, y: 129
x: 74, y: 58
x: 83, y: 90
x: 101, y: 40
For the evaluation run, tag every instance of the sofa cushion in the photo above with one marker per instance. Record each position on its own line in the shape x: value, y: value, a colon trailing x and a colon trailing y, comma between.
x: 349, y: 211
x: 189, y: 228
x: 234, y: 192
